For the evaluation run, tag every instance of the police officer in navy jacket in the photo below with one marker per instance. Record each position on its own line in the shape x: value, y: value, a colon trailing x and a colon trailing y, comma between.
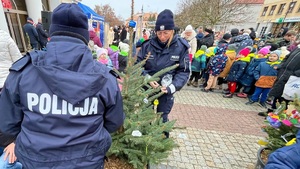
x: 61, y: 105
x: 166, y: 49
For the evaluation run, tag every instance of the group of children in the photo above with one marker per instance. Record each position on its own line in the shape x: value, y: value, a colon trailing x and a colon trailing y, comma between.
x: 248, y: 69
x: 114, y: 57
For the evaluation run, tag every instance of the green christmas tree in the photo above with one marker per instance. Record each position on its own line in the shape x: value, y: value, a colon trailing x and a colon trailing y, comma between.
x: 141, y: 139
x: 282, y: 126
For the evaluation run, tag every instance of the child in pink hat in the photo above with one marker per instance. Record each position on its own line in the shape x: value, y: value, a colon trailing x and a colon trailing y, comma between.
x: 103, y: 58
x: 263, y: 52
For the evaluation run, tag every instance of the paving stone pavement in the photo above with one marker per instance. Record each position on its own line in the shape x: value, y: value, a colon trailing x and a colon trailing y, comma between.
x: 213, y: 132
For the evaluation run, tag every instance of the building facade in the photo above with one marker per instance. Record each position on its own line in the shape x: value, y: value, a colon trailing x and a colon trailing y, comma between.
x: 252, y: 7
x: 276, y: 14
x: 13, y: 15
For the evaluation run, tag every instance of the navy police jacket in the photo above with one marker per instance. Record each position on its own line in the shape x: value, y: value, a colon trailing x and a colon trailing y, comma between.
x: 285, y: 158
x: 160, y: 58
x: 61, y: 105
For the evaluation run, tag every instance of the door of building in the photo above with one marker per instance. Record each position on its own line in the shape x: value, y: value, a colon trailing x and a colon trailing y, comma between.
x: 15, y: 22
x: 16, y: 14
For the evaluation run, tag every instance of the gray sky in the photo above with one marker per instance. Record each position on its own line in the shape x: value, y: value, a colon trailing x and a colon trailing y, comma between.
x: 123, y: 7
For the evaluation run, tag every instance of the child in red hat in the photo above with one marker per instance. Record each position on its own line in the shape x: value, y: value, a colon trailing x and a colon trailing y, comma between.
x: 237, y: 70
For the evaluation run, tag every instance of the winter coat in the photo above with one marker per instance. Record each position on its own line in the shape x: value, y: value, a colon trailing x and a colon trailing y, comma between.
x: 264, y: 69
x: 217, y: 63
x: 236, y: 71
x: 110, y: 37
x: 122, y: 62
x: 95, y: 38
x: 221, y: 43
x: 160, y: 58
x: 123, y: 34
x: 199, y: 36
x: 284, y: 42
x: 32, y: 33
x: 252, y: 35
x: 113, y: 55
x: 199, y: 61
x: 286, y: 157
x: 9, y: 53
x: 192, y: 41
x: 116, y: 34
x: 207, y: 40
x: 231, y: 56
x: 242, y: 41
x: 61, y: 107
x: 248, y: 77
x: 43, y: 36
x: 289, y: 66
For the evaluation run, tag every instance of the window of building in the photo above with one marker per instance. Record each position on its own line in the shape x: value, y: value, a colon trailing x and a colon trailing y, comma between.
x: 265, y: 11
x: 281, y: 9
x: 291, y: 7
x: 17, y: 4
x: 272, y: 10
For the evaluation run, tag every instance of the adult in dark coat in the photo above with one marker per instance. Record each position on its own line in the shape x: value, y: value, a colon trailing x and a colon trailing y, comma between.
x: 252, y: 34
x: 207, y: 40
x: 116, y: 34
x: 60, y: 104
x: 282, y: 32
x: 43, y: 36
x: 287, y: 39
x: 234, y: 33
x: 123, y: 33
x: 289, y: 66
x: 30, y: 30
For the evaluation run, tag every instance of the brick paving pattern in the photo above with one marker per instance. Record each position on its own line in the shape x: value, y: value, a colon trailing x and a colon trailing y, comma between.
x: 213, y: 132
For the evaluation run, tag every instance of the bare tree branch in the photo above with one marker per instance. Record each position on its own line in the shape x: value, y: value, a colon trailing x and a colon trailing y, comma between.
x: 210, y: 13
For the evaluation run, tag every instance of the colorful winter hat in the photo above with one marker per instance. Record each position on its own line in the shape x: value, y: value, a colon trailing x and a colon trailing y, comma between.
x: 232, y: 47
x: 114, y: 48
x: 101, y: 51
x: 203, y: 48
x: 277, y: 52
x: 245, y: 52
x: 265, y: 50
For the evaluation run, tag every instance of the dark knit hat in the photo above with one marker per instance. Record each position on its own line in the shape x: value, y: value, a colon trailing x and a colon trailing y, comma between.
x: 274, y: 47
x: 68, y: 17
x: 227, y: 36
x: 29, y: 19
x: 234, y: 32
x: 208, y: 30
x: 165, y: 21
